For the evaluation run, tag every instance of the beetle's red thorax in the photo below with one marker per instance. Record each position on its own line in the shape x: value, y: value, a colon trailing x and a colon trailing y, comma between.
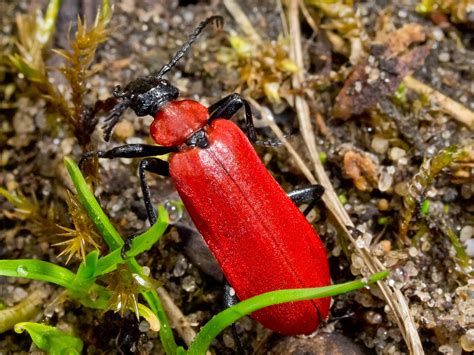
x: 177, y: 121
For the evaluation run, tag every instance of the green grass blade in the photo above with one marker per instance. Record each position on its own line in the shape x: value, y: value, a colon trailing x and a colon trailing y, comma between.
x: 115, y: 243
x: 37, y: 270
x: 94, y: 211
x: 51, y: 339
x: 166, y: 333
x: 58, y: 275
x: 140, y: 244
x: 225, y: 318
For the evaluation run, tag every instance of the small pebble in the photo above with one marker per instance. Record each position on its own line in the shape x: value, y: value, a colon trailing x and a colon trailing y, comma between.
x: 180, y: 267
x: 188, y: 284
x: 446, y: 349
x: 444, y: 57
x: 396, y: 154
x: 438, y: 34
x: 383, y: 204
x: 379, y: 145
x: 402, y: 14
x: 373, y: 317
x: 385, y: 180
x: 401, y: 189
x: 67, y: 145
x: 467, y: 232
x: 23, y: 123
x: 144, y: 326
x: 124, y: 130
x: 412, y: 251
x: 469, y: 247
x: 467, y: 341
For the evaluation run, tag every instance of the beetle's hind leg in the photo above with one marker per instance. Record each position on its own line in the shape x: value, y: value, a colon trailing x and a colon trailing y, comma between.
x: 310, y: 195
x: 229, y: 300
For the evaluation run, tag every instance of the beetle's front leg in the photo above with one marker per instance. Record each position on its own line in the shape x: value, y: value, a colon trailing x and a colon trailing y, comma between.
x: 227, y: 107
x: 128, y: 151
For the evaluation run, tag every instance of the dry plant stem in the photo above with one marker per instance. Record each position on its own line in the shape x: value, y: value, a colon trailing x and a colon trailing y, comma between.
x: 394, y: 298
x: 308, y: 18
x: 177, y: 319
x: 451, y: 107
x: 242, y: 20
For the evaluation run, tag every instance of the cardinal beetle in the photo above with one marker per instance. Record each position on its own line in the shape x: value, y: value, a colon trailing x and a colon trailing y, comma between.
x: 260, y: 238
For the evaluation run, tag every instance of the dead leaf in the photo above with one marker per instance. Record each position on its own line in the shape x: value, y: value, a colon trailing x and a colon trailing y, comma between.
x: 379, y: 75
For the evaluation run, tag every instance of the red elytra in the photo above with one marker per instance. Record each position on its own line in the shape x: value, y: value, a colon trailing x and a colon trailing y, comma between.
x: 259, y: 237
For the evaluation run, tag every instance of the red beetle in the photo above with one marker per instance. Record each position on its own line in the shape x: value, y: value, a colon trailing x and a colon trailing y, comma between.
x: 260, y: 238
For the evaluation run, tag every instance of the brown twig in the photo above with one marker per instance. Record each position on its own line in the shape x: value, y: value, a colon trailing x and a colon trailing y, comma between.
x: 451, y: 107
x: 177, y: 319
x: 393, y: 297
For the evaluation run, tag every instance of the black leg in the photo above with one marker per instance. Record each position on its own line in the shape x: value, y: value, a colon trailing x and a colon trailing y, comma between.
x: 228, y: 106
x: 128, y: 151
x: 114, y: 117
x: 229, y: 300
x: 354, y: 232
x: 155, y: 166
x: 309, y: 195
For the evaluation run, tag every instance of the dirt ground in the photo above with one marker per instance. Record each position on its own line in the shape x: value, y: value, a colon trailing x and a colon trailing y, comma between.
x: 389, y: 91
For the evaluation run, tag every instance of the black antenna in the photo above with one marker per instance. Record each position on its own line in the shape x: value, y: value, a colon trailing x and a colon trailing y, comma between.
x: 218, y: 20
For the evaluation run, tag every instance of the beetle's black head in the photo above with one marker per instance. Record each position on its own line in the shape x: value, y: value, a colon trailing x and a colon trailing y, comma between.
x: 147, y: 95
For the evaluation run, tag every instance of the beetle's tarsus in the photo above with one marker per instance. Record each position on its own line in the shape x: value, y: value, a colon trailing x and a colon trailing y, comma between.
x: 113, y: 118
x: 87, y: 156
x: 126, y: 247
x: 354, y: 232
x: 229, y: 300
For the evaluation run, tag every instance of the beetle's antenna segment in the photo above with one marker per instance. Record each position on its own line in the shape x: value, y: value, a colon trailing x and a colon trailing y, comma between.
x: 219, y: 22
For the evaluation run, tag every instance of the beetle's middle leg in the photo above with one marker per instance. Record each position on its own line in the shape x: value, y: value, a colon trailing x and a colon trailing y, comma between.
x: 153, y: 165
x: 156, y: 166
x: 310, y: 195
x: 228, y: 107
